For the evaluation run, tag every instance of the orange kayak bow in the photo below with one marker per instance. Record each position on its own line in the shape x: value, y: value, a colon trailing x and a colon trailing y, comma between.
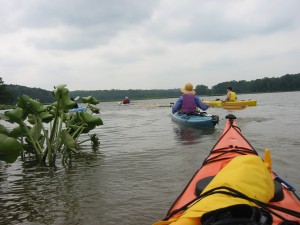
x: 235, y: 186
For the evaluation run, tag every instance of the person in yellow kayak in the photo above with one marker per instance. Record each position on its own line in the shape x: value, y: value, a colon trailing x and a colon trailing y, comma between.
x: 231, y: 95
x: 188, y: 101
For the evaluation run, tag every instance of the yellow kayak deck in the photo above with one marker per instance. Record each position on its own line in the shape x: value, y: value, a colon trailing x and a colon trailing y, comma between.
x: 220, y: 103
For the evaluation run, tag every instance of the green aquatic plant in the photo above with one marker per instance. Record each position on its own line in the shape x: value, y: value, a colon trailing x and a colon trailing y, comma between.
x: 10, y: 148
x: 47, y: 130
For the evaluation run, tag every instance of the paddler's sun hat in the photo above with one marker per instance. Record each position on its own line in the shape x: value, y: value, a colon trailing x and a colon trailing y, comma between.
x: 188, y: 89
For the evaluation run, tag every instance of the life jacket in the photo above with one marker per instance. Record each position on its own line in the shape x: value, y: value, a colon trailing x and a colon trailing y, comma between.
x: 188, y: 104
x: 246, y: 174
x: 233, y: 96
x: 126, y: 101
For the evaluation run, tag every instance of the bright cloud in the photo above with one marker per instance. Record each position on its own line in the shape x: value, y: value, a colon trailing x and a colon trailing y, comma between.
x: 159, y: 44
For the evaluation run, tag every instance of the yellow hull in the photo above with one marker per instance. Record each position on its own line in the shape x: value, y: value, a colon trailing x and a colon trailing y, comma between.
x: 219, y: 103
x: 233, y: 107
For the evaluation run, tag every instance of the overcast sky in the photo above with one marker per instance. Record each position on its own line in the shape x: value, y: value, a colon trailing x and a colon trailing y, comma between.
x: 146, y: 44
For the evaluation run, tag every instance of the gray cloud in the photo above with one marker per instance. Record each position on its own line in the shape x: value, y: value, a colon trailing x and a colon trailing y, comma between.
x: 82, y: 14
x: 125, y: 44
x: 212, y: 21
x: 83, y: 24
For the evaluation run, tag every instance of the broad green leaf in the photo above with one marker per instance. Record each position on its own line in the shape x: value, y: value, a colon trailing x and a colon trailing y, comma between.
x: 68, y: 140
x: 16, y: 132
x: 86, y: 99
x: 74, y: 128
x: 58, y: 90
x: 32, y: 119
x: 3, y: 130
x: 90, y: 119
x: 10, y: 149
x: 46, y: 117
x: 60, y: 86
x: 30, y: 105
x: 88, y: 128
x: 90, y: 99
x: 24, y: 128
x: 67, y: 103
x: 36, y: 106
x: 73, y: 119
x: 94, y: 109
x: 35, y: 132
x: 63, y: 97
x: 15, y: 116
x: 52, y: 108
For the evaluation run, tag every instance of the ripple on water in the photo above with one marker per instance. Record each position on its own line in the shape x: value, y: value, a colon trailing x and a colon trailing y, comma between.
x: 142, y: 164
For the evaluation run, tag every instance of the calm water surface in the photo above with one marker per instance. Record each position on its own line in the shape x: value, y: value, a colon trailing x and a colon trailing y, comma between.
x: 144, y: 161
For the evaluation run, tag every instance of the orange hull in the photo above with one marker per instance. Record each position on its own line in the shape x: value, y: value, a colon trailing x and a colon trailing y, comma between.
x: 231, y: 144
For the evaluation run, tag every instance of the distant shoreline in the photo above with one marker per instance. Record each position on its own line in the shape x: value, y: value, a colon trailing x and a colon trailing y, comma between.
x: 5, y: 106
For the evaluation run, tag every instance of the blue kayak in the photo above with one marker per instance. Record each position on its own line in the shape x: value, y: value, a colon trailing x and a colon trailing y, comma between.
x: 198, y: 119
x: 80, y: 109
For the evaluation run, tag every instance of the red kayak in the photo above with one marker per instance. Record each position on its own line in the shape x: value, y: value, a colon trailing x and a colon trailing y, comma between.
x: 235, y: 186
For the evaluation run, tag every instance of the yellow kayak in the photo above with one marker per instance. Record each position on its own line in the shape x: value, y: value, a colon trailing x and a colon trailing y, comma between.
x: 233, y: 107
x: 219, y: 103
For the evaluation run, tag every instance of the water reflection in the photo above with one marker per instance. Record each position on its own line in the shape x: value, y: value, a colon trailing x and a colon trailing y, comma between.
x: 143, y: 162
x: 33, y: 194
x: 187, y: 135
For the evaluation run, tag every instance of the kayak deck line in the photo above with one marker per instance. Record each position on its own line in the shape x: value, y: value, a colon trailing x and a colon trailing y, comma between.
x: 224, y: 151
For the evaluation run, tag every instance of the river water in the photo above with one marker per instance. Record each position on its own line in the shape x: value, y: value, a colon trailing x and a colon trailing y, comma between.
x: 143, y: 163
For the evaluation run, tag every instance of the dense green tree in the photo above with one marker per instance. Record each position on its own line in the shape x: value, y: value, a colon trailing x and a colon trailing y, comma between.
x: 39, y: 94
x: 285, y: 83
x: 220, y: 88
x: 288, y: 82
x: 5, y: 97
x: 2, y: 87
x: 202, y: 90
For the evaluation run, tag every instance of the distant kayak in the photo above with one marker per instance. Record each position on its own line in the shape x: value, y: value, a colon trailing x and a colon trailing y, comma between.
x: 80, y: 109
x: 219, y: 103
x: 200, y: 119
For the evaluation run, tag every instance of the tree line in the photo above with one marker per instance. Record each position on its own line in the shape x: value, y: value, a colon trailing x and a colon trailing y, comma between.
x: 10, y: 93
x: 288, y: 82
